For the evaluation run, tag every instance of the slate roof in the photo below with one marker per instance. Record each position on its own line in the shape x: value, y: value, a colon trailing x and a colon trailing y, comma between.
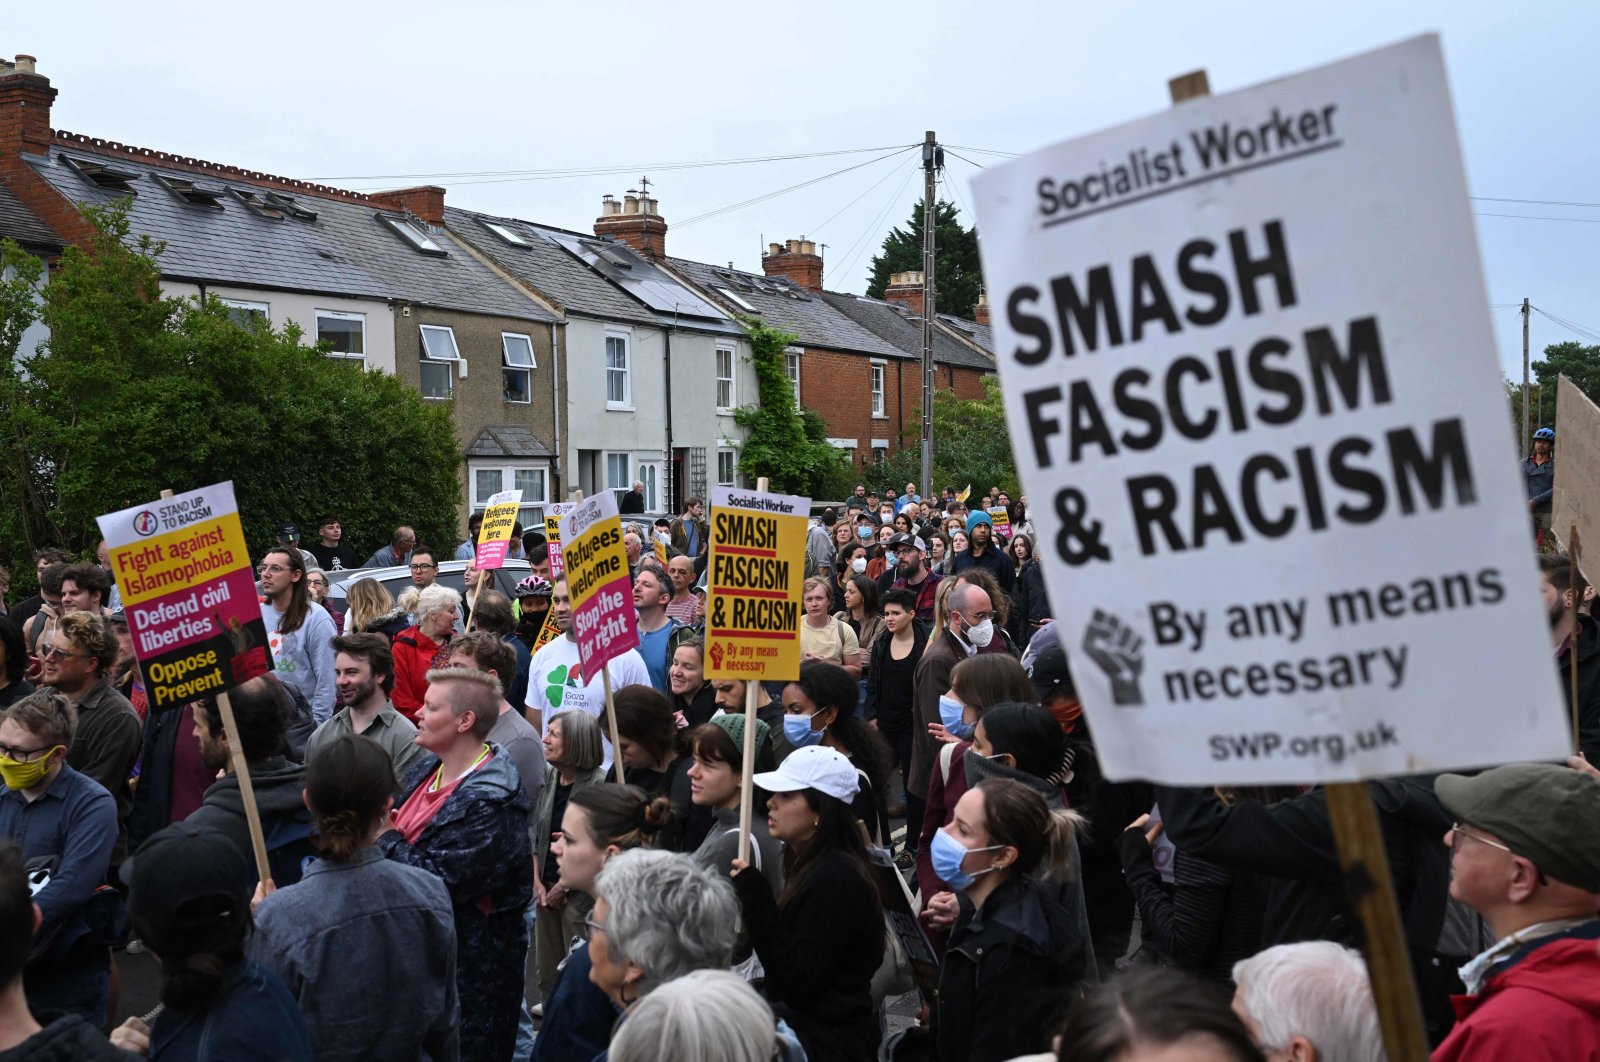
x: 899, y: 326
x: 980, y: 334
x: 781, y: 303
x: 344, y: 250
x: 550, y: 266
x: 507, y: 440
x: 19, y: 223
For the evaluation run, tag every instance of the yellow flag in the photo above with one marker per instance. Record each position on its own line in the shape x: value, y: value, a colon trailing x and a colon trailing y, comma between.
x: 965, y: 494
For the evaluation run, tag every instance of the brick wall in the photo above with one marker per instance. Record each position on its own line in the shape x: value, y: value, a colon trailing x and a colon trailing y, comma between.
x: 839, y: 386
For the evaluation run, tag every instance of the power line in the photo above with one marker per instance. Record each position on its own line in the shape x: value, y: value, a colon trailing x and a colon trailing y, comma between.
x: 954, y: 187
x: 1540, y: 202
x: 791, y: 188
x: 1577, y: 329
x: 586, y: 171
x: 982, y: 151
x: 848, y: 259
x: 963, y: 158
x: 892, y: 170
x: 1536, y: 217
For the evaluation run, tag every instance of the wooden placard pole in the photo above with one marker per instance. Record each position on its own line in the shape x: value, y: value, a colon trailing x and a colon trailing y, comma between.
x: 1574, y: 548
x: 611, y: 715
x: 747, y: 791
x: 1370, y: 889
x: 241, y: 771
x: 472, y: 615
x: 1365, y: 864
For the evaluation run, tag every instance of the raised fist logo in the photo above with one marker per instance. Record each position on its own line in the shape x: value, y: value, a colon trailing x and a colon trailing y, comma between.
x: 716, y: 654
x: 1118, y: 651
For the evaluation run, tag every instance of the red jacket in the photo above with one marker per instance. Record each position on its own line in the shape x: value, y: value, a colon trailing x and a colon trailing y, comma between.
x: 1545, y: 1005
x: 414, y: 654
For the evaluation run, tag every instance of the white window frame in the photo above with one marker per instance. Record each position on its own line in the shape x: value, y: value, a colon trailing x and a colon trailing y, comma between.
x: 626, y: 339
x: 617, y: 489
x: 506, y: 233
x: 878, y: 371
x: 732, y: 479
x: 729, y: 380
x: 345, y: 315
x: 262, y: 308
x: 532, y: 509
x: 445, y: 359
x: 733, y: 297
x: 507, y: 366
x: 791, y: 369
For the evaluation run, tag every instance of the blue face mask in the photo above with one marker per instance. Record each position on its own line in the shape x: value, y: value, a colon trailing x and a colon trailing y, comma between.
x: 863, y: 532
x: 893, y: 559
x: 948, y: 854
x: 950, y: 716
x: 797, y: 728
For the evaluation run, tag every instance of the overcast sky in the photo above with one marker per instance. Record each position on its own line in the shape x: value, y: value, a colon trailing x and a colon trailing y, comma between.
x: 370, y: 95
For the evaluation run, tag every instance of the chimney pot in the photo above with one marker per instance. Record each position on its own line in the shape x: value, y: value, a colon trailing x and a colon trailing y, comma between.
x: 795, y: 261
x: 792, y: 246
x: 774, y: 248
x: 630, y: 204
x: 651, y: 206
x: 25, y: 65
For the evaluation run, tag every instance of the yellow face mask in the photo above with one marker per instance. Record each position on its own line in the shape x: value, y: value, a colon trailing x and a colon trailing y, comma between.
x: 19, y: 775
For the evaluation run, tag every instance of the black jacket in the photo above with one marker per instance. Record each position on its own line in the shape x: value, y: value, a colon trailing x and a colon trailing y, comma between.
x: 68, y: 1039
x: 1009, y: 972
x: 1291, y: 842
x: 820, y: 950
x: 1588, y: 647
x: 998, y: 564
x: 876, y: 662
x: 1208, y: 919
x: 1030, y: 606
x: 278, y: 786
x: 152, y: 797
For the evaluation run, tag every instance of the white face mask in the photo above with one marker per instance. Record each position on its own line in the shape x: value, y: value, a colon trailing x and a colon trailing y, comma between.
x: 858, y: 565
x: 981, y: 634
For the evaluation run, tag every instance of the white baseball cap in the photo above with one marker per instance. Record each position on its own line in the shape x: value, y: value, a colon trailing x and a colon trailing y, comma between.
x: 813, y: 767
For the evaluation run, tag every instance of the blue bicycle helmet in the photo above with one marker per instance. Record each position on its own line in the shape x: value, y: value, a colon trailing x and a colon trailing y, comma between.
x: 1545, y: 433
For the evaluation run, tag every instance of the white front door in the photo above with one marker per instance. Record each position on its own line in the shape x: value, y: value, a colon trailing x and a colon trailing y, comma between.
x: 650, y: 473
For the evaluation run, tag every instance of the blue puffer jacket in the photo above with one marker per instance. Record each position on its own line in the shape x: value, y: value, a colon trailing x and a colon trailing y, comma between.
x: 478, y: 846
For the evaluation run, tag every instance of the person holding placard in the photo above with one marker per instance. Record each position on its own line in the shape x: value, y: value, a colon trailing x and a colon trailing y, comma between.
x: 556, y: 678
x: 715, y: 778
x: 824, y: 992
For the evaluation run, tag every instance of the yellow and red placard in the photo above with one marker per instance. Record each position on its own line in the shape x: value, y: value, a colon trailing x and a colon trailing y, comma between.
x: 757, y: 567
x: 1001, y: 519
x: 552, y: 534
x: 189, y: 594
x: 494, y: 537
x: 603, y: 619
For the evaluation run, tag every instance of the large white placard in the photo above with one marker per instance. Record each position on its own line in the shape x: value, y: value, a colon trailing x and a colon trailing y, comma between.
x: 1248, y: 370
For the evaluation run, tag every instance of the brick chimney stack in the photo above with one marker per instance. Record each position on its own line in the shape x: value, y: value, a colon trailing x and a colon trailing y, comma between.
x: 636, y: 221
x: 905, y: 289
x: 25, y: 99
x: 980, y: 312
x: 425, y: 201
x: 798, y: 260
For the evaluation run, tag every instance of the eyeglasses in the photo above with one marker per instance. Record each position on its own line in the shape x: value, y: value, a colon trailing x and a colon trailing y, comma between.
x: 422, y: 567
x: 1458, y: 831
x: 50, y: 652
x: 21, y: 755
x: 979, y: 617
x: 273, y: 569
x: 590, y: 927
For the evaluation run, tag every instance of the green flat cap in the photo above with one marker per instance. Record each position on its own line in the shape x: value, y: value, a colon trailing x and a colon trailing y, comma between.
x: 1542, y: 812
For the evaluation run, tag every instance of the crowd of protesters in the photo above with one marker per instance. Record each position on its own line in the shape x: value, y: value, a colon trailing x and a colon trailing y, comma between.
x: 462, y: 866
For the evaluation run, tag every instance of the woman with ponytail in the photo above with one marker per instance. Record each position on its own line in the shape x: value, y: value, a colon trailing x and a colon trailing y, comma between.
x: 1015, y: 954
x: 600, y: 822
x: 366, y: 945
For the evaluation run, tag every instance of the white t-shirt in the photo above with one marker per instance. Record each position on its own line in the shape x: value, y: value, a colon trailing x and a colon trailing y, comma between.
x: 556, y: 683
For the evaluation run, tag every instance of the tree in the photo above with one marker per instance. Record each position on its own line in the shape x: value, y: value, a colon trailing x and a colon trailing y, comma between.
x: 970, y: 446
x: 957, y: 274
x: 785, y: 443
x: 134, y: 393
x: 1578, y: 363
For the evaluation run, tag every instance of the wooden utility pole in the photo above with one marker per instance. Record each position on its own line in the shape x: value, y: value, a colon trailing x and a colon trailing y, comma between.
x: 1527, y: 428
x: 931, y: 156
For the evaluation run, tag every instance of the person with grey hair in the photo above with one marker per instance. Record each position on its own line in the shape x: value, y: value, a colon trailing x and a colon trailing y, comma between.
x: 1309, y: 1002
x: 704, y: 1014
x: 657, y: 916
x: 425, y: 645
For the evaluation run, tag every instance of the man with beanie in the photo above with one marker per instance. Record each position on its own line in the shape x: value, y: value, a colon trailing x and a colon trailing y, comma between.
x: 982, y: 552
x: 1525, y: 856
